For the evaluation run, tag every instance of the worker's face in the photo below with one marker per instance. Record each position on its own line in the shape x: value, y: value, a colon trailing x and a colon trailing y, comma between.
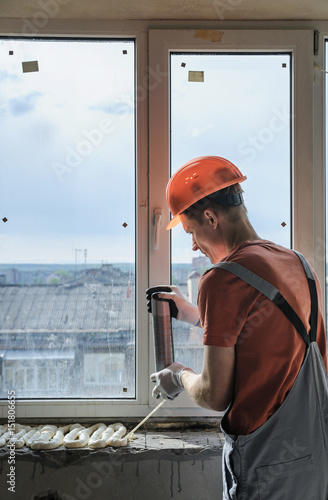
x: 204, y: 237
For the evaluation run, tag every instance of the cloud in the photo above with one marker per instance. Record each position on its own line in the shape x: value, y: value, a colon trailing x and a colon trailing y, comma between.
x: 195, y: 131
x: 21, y: 105
x: 116, y: 108
x: 4, y: 75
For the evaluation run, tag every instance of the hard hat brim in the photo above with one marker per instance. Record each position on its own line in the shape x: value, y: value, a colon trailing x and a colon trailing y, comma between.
x: 173, y: 222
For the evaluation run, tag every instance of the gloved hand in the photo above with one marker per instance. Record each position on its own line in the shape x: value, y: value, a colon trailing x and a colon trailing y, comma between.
x: 156, y: 290
x: 180, y: 308
x: 168, y: 381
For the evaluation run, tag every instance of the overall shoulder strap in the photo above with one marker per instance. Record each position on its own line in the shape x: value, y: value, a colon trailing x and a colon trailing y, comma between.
x: 313, y: 295
x: 275, y: 296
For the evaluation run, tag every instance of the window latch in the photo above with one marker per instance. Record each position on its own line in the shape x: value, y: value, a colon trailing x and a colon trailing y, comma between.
x: 158, y: 212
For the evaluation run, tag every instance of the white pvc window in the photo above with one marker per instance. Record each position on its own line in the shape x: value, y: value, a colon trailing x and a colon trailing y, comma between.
x: 111, y: 385
x: 67, y: 256
x: 246, y: 96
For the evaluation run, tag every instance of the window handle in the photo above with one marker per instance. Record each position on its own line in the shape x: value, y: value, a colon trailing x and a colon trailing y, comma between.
x: 158, y: 212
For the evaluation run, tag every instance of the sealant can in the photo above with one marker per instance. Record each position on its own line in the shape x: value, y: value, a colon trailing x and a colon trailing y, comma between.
x: 162, y: 333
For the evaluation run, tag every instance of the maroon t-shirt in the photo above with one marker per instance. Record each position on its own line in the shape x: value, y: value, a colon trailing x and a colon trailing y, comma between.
x: 269, y: 351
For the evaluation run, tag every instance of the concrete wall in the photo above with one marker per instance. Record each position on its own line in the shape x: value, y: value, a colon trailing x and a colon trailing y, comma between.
x: 166, y: 467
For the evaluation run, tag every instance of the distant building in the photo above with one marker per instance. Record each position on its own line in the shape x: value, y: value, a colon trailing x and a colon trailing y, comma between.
x: 76, y: 339
x: 67, y: 341
x: 201, y: 262
x: 192, y: 283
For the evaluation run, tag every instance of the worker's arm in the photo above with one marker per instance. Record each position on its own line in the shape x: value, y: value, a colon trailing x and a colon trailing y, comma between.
x: 213, y: 388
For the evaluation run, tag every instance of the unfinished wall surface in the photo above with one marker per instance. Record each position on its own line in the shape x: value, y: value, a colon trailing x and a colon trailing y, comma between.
x: 156, y: 466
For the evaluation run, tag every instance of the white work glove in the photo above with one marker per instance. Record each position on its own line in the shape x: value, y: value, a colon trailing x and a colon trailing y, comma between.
x: 180, y: 308
x: 168, y: 381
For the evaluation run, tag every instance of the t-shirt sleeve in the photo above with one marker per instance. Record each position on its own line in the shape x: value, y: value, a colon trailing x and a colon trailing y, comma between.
x: 224, y: 302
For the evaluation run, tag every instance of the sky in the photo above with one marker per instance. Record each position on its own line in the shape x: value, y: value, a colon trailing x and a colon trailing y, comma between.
x: 241, y: 111
x: 67, y: 144
x: 67, y: 151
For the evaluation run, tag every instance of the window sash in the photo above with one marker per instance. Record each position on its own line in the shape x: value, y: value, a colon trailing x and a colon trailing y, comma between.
x: 55, y: 408
x: 300, y: 45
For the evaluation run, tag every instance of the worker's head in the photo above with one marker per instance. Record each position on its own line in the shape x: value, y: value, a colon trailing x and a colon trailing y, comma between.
x: 207, y: 182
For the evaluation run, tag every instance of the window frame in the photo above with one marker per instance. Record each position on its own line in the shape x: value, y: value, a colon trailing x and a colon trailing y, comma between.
x: 300, y: 44
x: 87, y: 408
x: 152, y: 266
x: 320, y: 163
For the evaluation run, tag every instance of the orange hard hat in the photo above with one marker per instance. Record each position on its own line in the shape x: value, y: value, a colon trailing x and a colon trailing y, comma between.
x: 195, y: 180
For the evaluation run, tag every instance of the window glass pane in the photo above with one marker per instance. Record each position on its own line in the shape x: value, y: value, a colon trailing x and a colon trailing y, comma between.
x: 67, y: 241
x: 236, y: 106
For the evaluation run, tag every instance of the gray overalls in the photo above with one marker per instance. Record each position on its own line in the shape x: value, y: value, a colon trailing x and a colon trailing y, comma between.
x: 287, y: 457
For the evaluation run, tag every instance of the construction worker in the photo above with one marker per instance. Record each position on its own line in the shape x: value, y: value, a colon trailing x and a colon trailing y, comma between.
x: 265, y: 352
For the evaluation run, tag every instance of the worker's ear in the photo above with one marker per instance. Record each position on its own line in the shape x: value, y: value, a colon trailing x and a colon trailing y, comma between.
x: 211, y: 218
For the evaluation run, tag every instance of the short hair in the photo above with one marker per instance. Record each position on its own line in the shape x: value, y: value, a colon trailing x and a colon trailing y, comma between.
x: 219, y: 200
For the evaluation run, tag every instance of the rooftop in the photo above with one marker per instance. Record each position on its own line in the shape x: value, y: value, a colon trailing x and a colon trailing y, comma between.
x: 76, y: 307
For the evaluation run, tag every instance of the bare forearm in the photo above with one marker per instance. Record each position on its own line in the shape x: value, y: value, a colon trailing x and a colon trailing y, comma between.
x: 196, y: 387
x: 193, y: 315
